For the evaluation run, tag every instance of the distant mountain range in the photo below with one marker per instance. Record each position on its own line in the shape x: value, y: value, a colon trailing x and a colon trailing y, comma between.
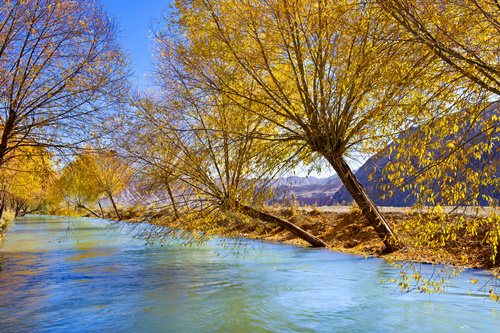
x: 330, y: 191
x: 307, y: 190
x: 296, y: 181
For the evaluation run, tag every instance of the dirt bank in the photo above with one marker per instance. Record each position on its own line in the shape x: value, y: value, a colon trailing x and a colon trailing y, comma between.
x: 345, y: 229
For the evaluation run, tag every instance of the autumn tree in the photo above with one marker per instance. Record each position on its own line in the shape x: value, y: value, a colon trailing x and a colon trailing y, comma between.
x: 219, y: 171
x: 112, y: 174
x: 77, y: 185
x: 449, y: 158
x: 92, y: 176
x: 153, y: 149
x: 330, y: 76
x: 61, y: 71
x: 25, y: 181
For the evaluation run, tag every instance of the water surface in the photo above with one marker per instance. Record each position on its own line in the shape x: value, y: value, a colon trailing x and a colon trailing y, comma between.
x: 64, y: 275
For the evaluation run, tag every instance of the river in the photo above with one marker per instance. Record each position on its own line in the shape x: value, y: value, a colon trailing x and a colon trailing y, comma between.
x: 78, y: 275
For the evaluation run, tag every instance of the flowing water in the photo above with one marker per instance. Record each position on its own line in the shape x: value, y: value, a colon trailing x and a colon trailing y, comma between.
x: 77, y: 275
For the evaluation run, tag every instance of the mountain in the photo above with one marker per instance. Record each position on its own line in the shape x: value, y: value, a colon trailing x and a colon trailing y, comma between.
x: 472, y: 134
x: 297, y: 181
x: 307, y: 190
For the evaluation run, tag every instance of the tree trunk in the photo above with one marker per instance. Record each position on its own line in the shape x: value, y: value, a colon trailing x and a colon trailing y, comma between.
x: 19, y: 208
x: 2, y: 205
x: 8, y: 127
x: 2, y: 208
x: 172, y: 200
x: 88, y: 210
x: 4, y: 195
x: 368, y: 207
x: 100, y: 207
x: 299, y: 232
x: 114, y: 206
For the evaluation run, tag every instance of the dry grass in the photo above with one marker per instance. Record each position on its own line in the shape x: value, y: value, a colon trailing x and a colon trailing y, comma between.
x: 348, y: 231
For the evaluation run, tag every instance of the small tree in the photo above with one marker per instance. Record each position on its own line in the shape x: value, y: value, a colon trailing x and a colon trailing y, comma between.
x: 153, y: 149
x: 221, y: 170
x: 25, y: 181
x: 112, y: 174
x: 77, y: 186
x: 90, y: 177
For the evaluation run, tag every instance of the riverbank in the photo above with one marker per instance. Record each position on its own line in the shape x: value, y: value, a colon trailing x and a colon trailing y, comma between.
x: 459, y: 238
x: 7, y: 217
x: 345, y: 229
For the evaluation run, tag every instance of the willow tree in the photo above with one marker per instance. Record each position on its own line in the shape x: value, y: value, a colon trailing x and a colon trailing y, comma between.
x: 215, y: 167
x: 113, y: 174
x: 77, y: 187
x: 453, y: 159
x: 328, y: 75
x: 92, y: 176
x: 152, y: 147
x: 61, y: 67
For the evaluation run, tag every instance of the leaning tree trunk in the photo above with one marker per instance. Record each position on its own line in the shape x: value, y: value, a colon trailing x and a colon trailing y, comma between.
x: 100, y: 207
x: 114, y: 206
x: 172, y: 200
x: 2, y: 208
x: 266, y: 217
x: 2, y: 204
x: 88, y: 210
x: 368, y: 207
x: 8, y: 128
x: 4, y: 195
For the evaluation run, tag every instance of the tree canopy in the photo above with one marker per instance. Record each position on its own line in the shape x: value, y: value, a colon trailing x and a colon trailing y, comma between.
x: 61, y: 71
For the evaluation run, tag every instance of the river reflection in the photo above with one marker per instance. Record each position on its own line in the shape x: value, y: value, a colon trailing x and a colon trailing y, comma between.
x: 76, y: 275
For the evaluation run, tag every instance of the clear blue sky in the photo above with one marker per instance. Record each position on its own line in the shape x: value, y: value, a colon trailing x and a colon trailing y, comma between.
x: 134, y: 20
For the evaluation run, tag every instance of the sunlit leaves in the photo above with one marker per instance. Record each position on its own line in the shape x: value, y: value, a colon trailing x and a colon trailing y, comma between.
x: 25, y: 180
x: 89, y: 178
x: 463, y: 33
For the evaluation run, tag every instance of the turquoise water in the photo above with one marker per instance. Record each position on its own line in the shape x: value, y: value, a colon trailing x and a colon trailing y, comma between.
x: 63, y: 275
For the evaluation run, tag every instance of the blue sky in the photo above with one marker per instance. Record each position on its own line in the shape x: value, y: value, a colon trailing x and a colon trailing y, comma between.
x: 134, y: 20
